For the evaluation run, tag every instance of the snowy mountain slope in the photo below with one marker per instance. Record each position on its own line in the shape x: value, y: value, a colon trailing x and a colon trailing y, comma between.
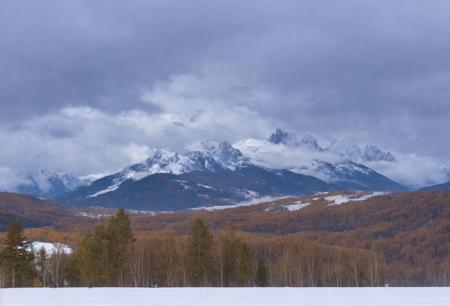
x: 210, y: 156
x: 341, y: 148
x: 358, y: 154
x: 336, y: 164
x: 348, y: 175
x: 216, y: 174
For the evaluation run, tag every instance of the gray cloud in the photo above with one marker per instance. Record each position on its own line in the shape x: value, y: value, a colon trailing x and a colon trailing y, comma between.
x: 88, y: 86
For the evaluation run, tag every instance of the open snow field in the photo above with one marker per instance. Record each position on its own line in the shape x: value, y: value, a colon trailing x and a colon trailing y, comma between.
x: 226, y: 297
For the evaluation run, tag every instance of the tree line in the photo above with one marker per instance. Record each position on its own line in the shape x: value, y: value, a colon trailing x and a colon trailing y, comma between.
x: 113, y: 255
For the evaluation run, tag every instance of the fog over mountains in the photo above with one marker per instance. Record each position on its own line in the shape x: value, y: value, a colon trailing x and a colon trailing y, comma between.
x: 219, y: 173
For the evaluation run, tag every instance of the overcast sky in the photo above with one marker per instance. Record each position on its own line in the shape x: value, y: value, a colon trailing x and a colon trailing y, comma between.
x: 90, y: 86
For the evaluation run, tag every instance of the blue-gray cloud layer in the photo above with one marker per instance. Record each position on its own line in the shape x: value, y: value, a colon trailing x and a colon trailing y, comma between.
x: 90, y: 83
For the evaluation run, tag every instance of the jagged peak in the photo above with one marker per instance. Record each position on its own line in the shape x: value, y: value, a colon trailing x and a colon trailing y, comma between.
x: 280, y: 136
x: 373, y: 153
x: 287, y: 138
x: 222, y: 152
x: 354, y: 152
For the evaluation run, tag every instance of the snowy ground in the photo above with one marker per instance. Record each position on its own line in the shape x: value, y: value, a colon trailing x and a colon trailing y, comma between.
x: 227, y: 297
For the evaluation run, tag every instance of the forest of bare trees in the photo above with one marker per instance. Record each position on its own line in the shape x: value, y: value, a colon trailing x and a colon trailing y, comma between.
x: 113, y: 254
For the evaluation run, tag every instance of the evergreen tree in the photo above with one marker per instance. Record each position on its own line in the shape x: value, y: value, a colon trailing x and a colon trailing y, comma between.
x: 17, y: 258
x: 199, y: 254
x: 93, y: 258
x: 104, y: 254
x: 73, y: 275
x: 261, y: 274
x: 119, y: 248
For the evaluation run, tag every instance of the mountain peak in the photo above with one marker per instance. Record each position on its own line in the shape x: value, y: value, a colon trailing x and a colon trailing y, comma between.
x: 280, y: 136
x: 353, y: 152
x: 345, y: 149
x: 373, y: 153
x: 290, y: 139
x: 311, y: 141
x: 222, y: 152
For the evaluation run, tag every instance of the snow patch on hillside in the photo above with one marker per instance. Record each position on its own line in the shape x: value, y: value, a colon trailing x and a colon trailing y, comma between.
x: 296, y: 206
x: 109, y: 189
x: 257, y: 201
x: 344, y: 198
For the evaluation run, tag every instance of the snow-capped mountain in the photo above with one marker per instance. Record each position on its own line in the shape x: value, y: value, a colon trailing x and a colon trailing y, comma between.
x: 213, y: 174
x: 218, y: 173
x: 348, y: 175
x: 342, y: 148
x: 289, y: 139
x: 355, y: 153
x: 48, y: 184
x: 339, y: 163
x: 209, y: 156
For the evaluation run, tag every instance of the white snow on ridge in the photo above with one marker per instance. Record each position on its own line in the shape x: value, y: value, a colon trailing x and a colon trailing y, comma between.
x: 205, y: 186
x: 51, y: 247
x: 257, y: 201
x: 226, y: 296
x: 92, y: 215
x: 296, y: 206
x: 208, y: 157
x: 342, y: 198
x: 109, y: 189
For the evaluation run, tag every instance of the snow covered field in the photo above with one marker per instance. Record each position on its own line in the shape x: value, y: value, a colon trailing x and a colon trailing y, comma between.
x: 226, y: 297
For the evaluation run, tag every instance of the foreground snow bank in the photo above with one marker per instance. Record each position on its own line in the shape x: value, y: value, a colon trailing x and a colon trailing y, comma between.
x: 226, y: 297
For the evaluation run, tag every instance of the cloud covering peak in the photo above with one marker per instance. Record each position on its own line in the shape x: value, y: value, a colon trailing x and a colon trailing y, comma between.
x: 92, y: 86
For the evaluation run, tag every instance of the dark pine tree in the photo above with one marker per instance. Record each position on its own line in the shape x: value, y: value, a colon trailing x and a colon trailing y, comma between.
x: 17, y: 258
x: 120, y: 242
x: 92, y: 259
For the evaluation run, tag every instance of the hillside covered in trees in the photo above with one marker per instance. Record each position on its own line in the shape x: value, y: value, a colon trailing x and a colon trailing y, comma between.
x: 320, y: 240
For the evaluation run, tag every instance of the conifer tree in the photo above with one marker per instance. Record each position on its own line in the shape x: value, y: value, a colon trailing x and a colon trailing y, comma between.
x: 199, y: 254
x: 105, y: 253
x: 17, y: 258
x: 93, y: 258
x: 119, y: 248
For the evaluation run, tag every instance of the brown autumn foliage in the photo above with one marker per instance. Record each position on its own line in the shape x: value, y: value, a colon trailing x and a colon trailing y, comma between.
x: 400, y: 239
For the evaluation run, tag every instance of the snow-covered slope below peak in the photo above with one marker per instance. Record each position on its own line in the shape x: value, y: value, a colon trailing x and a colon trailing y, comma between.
x: 222, y: 153
x: 161, y: 161
x: 207, y: 157
x: 358, y: 154
x: 341, y: 148
x: 348, y: 175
